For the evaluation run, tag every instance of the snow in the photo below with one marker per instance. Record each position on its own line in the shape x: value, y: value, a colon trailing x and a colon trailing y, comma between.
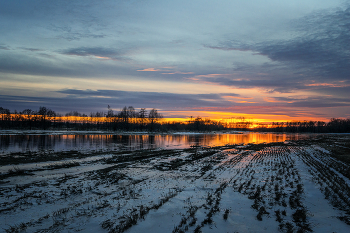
x: 232, y: 188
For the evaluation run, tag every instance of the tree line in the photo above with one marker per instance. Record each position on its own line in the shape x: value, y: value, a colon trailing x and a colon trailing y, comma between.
x: 335, y: 125
x: 194, y: 124
x: 45, y: 118
x: 130, y: 119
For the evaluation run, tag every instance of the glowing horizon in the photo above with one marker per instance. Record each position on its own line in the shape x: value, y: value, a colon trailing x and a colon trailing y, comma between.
x: 94, y: 119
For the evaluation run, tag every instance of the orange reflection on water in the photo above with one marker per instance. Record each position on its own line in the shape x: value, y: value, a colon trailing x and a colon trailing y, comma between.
x: 135, y: 141
x: 225, y: 139
x: 184, y: 140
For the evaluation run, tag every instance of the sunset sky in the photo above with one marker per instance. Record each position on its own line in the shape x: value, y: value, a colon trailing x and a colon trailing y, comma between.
x: 265, y: 60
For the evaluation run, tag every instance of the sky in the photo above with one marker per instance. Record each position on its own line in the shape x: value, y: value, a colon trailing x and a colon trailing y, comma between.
x: 266, y: 60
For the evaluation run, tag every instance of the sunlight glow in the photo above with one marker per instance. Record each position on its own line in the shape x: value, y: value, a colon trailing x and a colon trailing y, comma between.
x: 327, y: 85
x: 149, y: 69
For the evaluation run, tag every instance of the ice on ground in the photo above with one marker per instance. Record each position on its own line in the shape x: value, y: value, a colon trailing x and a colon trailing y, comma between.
x: 273, y: 187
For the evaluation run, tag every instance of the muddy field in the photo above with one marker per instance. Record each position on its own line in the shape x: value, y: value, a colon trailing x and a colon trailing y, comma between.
x: 291, y: 186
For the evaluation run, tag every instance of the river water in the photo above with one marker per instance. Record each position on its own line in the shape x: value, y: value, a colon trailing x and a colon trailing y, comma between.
x: 81, y: 142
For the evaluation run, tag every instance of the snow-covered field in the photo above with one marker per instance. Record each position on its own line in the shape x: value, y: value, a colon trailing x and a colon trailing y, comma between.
x: 294, y: 186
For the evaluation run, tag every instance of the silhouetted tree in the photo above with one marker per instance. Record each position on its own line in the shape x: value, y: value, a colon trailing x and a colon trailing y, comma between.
x: 124, y: 116
x: 51, y: 116
x: 43, y: 113
x: 28, y: 117
x: 109, y: 112
x: 142, y: 117
x: 131, y: 114
x: 154, y: 117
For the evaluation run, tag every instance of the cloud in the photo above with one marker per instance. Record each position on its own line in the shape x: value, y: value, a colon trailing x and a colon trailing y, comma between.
x: 4, y: 47
x: 87, y: 101
x: 72, y: 32
x: 68, y: 20
x: 98, y: 52
x: 52, y: 65
x: 166, y: 70
x: 165, y: 100
x: 31, y: 49
x: 211, y: 75
x: 267, y: 83
x: 178, y: 72
x: 97, y: 100
x: 149, y: 69
x: 313, y: 101
x: 318, y: 51
x: 337, y: 84
x: 161, y: 99
x: 228, y: 48
x: 322, y: 49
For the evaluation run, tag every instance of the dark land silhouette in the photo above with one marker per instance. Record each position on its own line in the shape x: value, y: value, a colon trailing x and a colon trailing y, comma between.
x: 129, y: 119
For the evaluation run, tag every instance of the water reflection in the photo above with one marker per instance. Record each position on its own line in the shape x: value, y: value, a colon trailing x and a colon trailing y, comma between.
x: 22, y: 143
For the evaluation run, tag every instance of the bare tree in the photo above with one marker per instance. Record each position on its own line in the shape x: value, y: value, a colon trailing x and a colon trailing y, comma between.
x: 43, y: 114
x: 110, y: 112
x: 154, y: 117
x: 28, y: 113
x: 142, y: 117
x: 131, y: 114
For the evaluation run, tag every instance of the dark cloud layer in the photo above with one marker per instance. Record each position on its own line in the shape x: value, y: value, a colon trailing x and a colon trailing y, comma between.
x: 31, y: 49
x: 314, y: 102
x: 53, y: 66
x: 320, y: 53
x: 89, y: 100
x: 4, y: 47
x: 162, y: 100
x: 322, y: 50
x: 93, y: 51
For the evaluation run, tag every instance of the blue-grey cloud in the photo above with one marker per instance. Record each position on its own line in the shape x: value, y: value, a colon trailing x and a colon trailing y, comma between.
x: 25, y: 64
x: 86, y: 101
x: 320, y: 53
x: 71, y: 34
x: 239, y: 48
x: 48, y: 64
x: 51, y: 63
x: 93, y: 51
x: 97, y: 100
x: 314, y: 102
x: 161, y: 99
x: 31, y: 49
x: 4, y: 47
x: 269, y: 84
